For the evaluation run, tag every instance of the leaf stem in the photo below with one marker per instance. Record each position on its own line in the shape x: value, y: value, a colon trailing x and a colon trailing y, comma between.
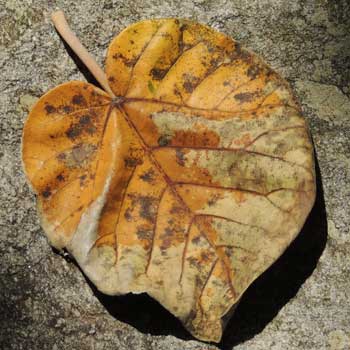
x: 72, y: 40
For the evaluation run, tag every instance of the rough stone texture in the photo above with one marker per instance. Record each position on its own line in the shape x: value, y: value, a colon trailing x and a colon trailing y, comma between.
x: 302, y: 302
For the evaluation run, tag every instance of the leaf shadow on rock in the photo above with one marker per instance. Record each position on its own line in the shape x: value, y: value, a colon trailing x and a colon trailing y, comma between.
x: 260, y: 303
x: 80, y: 65
x: 276, y: 286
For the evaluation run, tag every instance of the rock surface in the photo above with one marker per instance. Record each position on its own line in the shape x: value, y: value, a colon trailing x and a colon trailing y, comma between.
x: 302, y: 302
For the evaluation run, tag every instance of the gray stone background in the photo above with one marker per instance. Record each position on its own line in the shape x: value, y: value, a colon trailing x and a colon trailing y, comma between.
x: 302, y: 302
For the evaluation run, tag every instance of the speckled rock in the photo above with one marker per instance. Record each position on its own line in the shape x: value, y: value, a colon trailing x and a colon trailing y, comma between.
x: 302, y: 302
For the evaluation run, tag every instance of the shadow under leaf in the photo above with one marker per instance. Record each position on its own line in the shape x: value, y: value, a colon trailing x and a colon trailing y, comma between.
x: 281, y: 282
x: 260, y: 303
x: 80, y: 64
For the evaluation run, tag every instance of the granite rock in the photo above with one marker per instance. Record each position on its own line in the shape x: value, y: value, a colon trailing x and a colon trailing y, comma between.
x: 301, y: 302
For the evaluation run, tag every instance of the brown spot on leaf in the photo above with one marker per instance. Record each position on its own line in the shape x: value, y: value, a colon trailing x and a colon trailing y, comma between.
x: 196, y: 240
x: 131, y: 162
x: 67, y: 109
x: 253, y: 71
x: 128, y: 215
x: 148, y: 176
x: 214, y: 198
x: 47, y: 192
x: 166, y: 243
x: 84, y: 125
x: 144, y: 232
x: 180, y: 157
x: 148, y: 207
x: 85, y: 120
x: 50, y: 109
x: 163, y: 140
x: 175, y: 209
x: 199, y: 137
x: 82, y: 179
x: 60, y: 177
x: 244, y: 97
x: 129, y: 62
x: 193, y: 262
x: 79, y: 100
x: 205, y: 257
x: 190, y: 82
x: 73, y: 131
x: 158, y: 73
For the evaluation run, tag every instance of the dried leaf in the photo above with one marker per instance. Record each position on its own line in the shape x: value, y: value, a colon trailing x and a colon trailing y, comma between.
x: 188, y: 184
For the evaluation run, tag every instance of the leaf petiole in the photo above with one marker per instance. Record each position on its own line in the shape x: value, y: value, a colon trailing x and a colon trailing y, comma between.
x: 72, y: 40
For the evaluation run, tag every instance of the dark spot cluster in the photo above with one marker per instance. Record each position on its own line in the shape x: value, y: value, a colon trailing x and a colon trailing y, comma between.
x: 239, y: 54
x: 190, y: 82
x: 131, y: 162
x: 199, y: 138
x: 128, y: 215
x: 66, y: 109
x: 148, y: 207
x: 214, y: 199
x: 205, y: 256
x: 193, y: 262
x: 175, y: 209
x: 158, y: 73
x: 214, y: 62
x: 253, y: 71
x: 172, y: 235
x: 245, y: 97
x: 79, y: 100
x: 180, y: 157
x: 183, y: 27
x: 47, y: 192
x: 166, y: 244
x: 196, y: 240
x: 84, y: 125
x: 177, y: 92
x: 60, y: 177
x: 164, y: 140
x: 210, y: 47
x: 144, y: 233
x: 129, y: 62
x: 82, y: 179
x: 134, y: 157
x: 148, y: 176
x: 50, y: 109
x: 73, y: 132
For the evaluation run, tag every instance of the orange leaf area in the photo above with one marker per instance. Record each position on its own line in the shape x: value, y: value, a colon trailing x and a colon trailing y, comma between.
x: 188, y: 185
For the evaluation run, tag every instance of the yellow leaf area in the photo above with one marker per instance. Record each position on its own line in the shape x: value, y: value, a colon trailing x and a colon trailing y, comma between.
x: 188, y: 184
